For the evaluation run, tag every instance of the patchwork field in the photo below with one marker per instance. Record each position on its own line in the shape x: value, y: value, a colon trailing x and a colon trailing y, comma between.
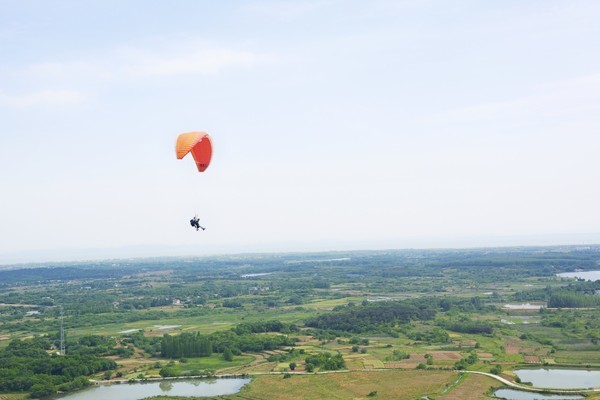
x: 385, y: 313
x: 398, y: 385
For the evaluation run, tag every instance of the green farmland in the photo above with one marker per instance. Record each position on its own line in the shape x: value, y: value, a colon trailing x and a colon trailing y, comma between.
x: 395, y: 324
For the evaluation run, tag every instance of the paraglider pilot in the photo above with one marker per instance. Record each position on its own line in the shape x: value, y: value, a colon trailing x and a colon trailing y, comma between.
x: 195, y: 222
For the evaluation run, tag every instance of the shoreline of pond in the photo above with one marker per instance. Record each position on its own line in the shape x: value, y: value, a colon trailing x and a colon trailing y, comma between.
x: 253, y: 375
x: 168, y: 378
x: 527, y: 388
x: 210, y: 386
x: 508, y: 384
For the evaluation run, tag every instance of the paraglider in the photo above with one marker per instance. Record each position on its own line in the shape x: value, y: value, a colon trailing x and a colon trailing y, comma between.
x: 195, y: 222
x: 197, y: 143
x: 200, y: 145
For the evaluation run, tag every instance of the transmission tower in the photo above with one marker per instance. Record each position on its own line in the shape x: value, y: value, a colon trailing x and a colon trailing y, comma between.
x: 62, y: 333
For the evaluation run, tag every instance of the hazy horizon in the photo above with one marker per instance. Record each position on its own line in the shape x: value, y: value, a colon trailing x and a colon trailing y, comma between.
x: 158, y: 251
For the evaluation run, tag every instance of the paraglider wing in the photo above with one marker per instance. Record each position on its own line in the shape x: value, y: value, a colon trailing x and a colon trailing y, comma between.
x: 197, y: 143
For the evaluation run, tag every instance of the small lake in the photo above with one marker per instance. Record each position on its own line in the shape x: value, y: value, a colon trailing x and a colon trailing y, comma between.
x: 136, y: 391
x: 587, y: 275
x: 560, y: 378
x: 255, y: 275
x: 512, y: 394
x: 523, y: 306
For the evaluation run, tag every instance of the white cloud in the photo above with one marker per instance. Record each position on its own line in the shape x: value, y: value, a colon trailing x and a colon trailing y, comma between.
x: 118, y: 65
x: 54, y: 98
x: 133, y: 62
x: 51, y: 70
x: 199, y: 61
x: 564, y: 98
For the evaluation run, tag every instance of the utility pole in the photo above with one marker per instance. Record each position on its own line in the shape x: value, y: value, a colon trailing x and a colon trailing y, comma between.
x: 62, y: 333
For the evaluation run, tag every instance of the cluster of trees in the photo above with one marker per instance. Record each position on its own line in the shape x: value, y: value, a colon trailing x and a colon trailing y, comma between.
x: 473, y: 304
x: 577, y: 323
x: 382, y: 316
x: 248, y: 342
x: 197, y: 345
x: 466, y: 361
x: 264, y: 326
x: 434, y: 335
x: 146, y: 302
x: 369, y: 317
x: 170, y: 370
x: 28, y: 366
x: 295, y: 284
x: 282, y: 357
x: 139, y: 340
x: 232, y: 304
x: 464, y: 325
x: 579, y: 294
x: 565, y: 299
x: 398, y: 355
x: 325, y: 362
x: 186, y: 345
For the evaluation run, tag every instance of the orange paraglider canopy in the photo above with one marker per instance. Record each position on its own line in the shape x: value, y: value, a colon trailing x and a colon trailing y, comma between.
x: 199, y: 144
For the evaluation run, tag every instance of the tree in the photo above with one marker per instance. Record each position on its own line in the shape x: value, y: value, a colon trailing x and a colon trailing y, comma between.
x: 292, y: 366
x: 496, y: 370
x: 227, y: 354
x: 472, y: 358
x: 166, y: 372
x: 40, y: 390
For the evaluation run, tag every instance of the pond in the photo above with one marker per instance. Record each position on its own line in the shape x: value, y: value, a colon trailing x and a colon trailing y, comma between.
x: 255, y: 275
x: 524, y: 306
x: 512, y: 394
x: 587, y: 275
x: 136, y: 391
x: 560, y: 378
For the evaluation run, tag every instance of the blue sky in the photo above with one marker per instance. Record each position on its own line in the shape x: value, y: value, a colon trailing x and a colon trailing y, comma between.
x: 337, y: 125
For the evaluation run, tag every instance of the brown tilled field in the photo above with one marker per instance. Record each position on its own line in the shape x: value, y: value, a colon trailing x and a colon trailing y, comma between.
x: 511, y: 348
x: 445, y: 355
